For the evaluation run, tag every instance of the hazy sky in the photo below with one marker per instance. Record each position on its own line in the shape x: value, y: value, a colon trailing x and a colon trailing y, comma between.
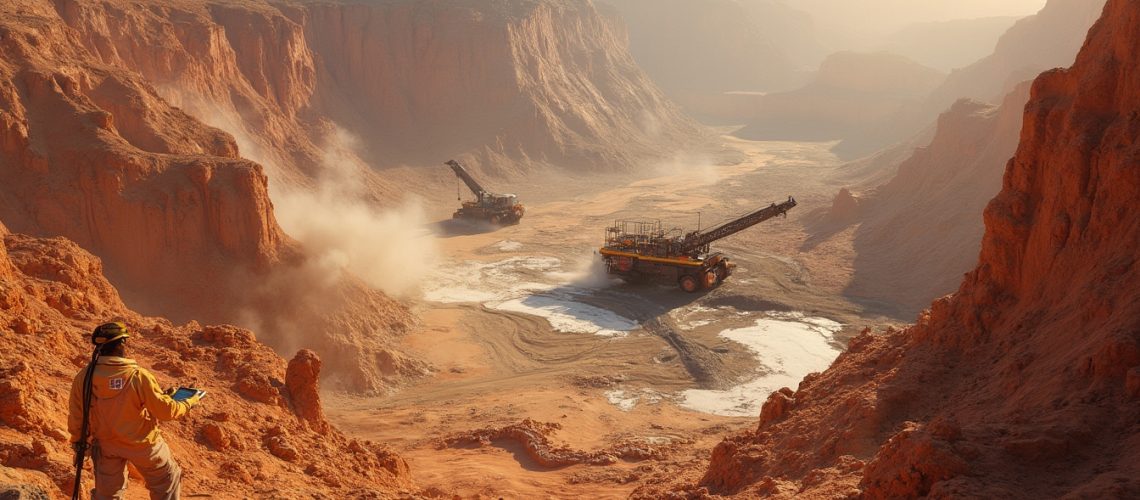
x: 880, y: 12
x: 861, y: 21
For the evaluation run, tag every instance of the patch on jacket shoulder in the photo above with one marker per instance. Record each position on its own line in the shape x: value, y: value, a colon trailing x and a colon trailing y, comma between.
x: 116, y: 383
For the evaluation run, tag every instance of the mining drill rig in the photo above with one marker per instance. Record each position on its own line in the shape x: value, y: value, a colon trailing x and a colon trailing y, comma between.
x: 491, y: 207
x: 640, y: 250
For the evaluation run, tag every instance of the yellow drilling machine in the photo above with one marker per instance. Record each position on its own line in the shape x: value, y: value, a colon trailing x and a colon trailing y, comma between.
x: 641, y: 251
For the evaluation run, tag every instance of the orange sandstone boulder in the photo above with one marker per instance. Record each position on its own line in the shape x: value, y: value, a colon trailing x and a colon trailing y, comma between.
x: 301, y: 382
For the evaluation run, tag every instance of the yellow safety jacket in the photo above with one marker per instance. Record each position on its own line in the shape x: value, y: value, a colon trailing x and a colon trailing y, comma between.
x: 126, y: 404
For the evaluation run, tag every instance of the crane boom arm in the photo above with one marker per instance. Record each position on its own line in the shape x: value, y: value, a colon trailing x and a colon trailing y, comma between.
x: 698, y: 239
x: 472, y: 184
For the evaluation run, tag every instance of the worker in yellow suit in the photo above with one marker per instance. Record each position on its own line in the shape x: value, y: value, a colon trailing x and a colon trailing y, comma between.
x: 126, y: 404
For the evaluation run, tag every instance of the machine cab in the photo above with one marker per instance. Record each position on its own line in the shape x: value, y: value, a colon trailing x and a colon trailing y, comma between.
x: 503, y: 200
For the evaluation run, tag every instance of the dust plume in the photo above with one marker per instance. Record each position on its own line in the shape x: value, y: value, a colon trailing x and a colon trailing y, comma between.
x: 388, y: 247
x: 357, y: 252
x: 590, y: 272
x: 700, y: 168
x: 341, y: 228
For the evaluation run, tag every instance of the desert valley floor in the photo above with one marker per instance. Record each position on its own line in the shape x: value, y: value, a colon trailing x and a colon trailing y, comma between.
x: 521, y: 322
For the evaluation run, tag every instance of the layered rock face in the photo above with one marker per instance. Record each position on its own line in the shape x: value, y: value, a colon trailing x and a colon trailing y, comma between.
x: 400, y: 76
x: 546, y: 81
x: 243, y: 66
x: 93, y: 153
x: 921, y: 231
x: 850, y: 91
x: 1026, y: 383
x: 258, y: 432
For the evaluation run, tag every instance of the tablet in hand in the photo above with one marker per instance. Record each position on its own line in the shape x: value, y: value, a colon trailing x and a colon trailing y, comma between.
x: 184, y: 393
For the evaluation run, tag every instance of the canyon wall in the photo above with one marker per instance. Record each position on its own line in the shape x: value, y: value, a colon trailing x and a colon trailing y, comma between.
x: 849, y: 91
x: 1025, y: 384
x: 1048, y: 39
x: 242, y: 66
x: 550, y: 82
x: 920, y: 232
x: 259, y: 432
x: 554, y: 80
x: 949, y: 45
x: 92, y: 152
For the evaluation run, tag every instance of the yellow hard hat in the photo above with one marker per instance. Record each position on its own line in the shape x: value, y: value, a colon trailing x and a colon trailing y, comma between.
x: 109, y: 332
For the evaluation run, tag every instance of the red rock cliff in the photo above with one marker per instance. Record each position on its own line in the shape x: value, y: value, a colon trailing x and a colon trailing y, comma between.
x: 90, y: 151
x: 1026, y: 384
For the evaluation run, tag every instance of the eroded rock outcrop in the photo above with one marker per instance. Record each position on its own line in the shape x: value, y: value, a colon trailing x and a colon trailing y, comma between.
x: 302, y: 382
x: 1019, y: 385
x: 93, y: 153
x: 54, y: 293
x: 534, y: 437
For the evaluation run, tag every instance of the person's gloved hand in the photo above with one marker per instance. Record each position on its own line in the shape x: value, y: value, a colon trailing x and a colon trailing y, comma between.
x: 170, y: 391
x: 192, y: 401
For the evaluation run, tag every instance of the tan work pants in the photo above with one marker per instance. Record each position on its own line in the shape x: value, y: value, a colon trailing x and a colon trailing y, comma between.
x: 157, y: 466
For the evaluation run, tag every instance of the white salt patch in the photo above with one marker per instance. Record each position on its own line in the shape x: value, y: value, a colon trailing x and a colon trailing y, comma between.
x: 528, y: 285
x: 788, y: 346
x: 569, y: 316
x: 696, y: 324
x: 651, y: 396
x: 484, y: 281
x: 683, y: 315
x: 627, y: 400
x: 508, y: 246
x: 619, y: 399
